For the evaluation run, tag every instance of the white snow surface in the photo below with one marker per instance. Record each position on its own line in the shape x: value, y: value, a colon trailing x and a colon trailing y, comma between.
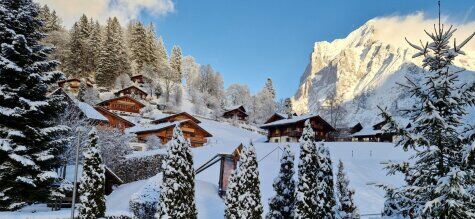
x: 361, y: 159
x: 90, y: 112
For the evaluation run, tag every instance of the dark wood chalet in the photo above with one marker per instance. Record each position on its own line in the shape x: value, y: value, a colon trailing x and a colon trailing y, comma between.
x: 236, y: 113
x: 346, y: 133
x: 138, y: 79
x: 114, y: 120
x: 275, y: 117
x: 132, y: 91
x: 177, y: 117
x: 70, y: 84
x: 290, y: 130
x: 375, y: 134
x: 164, y: 131
x: 124, y: 104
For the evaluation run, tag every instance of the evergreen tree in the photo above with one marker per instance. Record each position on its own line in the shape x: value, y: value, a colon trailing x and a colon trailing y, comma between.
x: 177, y: 193
x: 270, y: 88
x: 92, y: 187
x: 306, y: 196
x: 176, y: 60
x: 439, y: 177
x: 51, y: 22
x: 346, y: 206
x: 95, y: 40
x: 139, y: 46
x: 282, y: 204
x: 80, y: 63
x: 152, y: 47
x: 246, y: 202
x: 29, y: 146
x: 325, y: 190
x: 114, y: 59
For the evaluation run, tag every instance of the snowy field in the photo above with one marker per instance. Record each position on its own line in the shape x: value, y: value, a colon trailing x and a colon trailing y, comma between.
x: 361, y: 160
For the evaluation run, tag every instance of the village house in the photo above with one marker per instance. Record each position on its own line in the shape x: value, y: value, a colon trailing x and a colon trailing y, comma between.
x: 236, y: 113
x: 290, y: 129
x: 123, y: 104
x: 177, y: 117
x: 114, y: 120
x: 138, y: 79
x: 346, y: 133
x: 132, y: 91
x: 164, y: 131
x: 375, y: 134
x: 72, y: 85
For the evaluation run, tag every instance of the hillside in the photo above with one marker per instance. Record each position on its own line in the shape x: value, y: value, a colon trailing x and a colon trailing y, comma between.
x: 364, y: 67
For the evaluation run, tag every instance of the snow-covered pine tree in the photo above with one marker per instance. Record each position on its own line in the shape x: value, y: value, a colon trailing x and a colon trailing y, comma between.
x: 306, y: 196
x: 346, y: 206
x: 325, y: 191
x: 176, y: 60
x: 177, y: 193
x: 270, y: 87
x: 151, y: 47
x: 92, y: 187
x: 282, y: 204
x: 439, y: 180
x: 79, y: 60
x: 232, y: 196
x: 51, y: 21
x: 95, y: 40
x: 29, y: 146
x: 139, y: 46
x: 243, y: 198
x: 114, y: 59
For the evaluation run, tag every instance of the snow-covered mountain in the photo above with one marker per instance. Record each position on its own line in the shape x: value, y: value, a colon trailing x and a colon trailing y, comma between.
x: 364, y: 67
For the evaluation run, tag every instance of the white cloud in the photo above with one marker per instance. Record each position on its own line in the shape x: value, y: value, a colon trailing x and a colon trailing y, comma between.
x: 393, y: 29
x: 125, y: 10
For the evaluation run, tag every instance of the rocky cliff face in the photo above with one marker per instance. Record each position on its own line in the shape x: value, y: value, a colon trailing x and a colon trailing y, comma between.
x: 363, y: 70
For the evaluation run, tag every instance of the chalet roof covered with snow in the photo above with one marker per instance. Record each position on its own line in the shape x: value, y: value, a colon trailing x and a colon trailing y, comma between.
x: 151, y: 127
x: 292, y: 120
x: 367, y: 131
x: 119, y: 98
x: 90, y: 112
x: 237, y: 107
x: 132, y: 87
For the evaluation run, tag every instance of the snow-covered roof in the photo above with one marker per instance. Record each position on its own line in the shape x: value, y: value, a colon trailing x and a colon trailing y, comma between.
x: 90, y: 112
x: 234, y: 107
x: 368, y: 130
x: 294, y: 119
x: 151, y: 127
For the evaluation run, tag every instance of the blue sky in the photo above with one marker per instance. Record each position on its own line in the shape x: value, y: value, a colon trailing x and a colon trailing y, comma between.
x: 250, y: 40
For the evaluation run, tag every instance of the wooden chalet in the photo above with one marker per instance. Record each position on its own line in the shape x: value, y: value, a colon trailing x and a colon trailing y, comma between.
x: 375, y: 134
x: 132, y: 91
x: 164, y: 131
x: 275, y: 117
x: 123, y: 104
x: 177, y: 117
x: 70, y: 84
x: 114, y: 120
x: 138, y: 79
x: 345, y: 134
x: 236, y: 113
x: 290, y: 129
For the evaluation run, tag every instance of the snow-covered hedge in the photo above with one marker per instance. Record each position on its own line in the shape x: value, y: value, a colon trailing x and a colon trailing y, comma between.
x: 135, y: 168
x: 144, y: 202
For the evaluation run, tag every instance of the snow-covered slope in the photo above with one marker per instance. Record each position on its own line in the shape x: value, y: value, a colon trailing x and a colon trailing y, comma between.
x: 364, y: 67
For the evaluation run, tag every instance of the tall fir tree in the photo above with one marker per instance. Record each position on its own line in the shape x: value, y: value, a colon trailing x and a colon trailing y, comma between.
x: 95, y: 40
x: 177, y: 193
x: 306, y: 196
x: 282, y: 204
x: 270, y: 88
x: 114, y: 59
x: 152, y: 47
x: 79, y: 62
x: 346, y: 205
x: 439, y: 177
x: 244, y: 199
x: 139, y: 46
x: 176, y: 59
x: 29, y: 146
x: 93, y: 180
x: 325, y: 189
x: 51, y: 21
